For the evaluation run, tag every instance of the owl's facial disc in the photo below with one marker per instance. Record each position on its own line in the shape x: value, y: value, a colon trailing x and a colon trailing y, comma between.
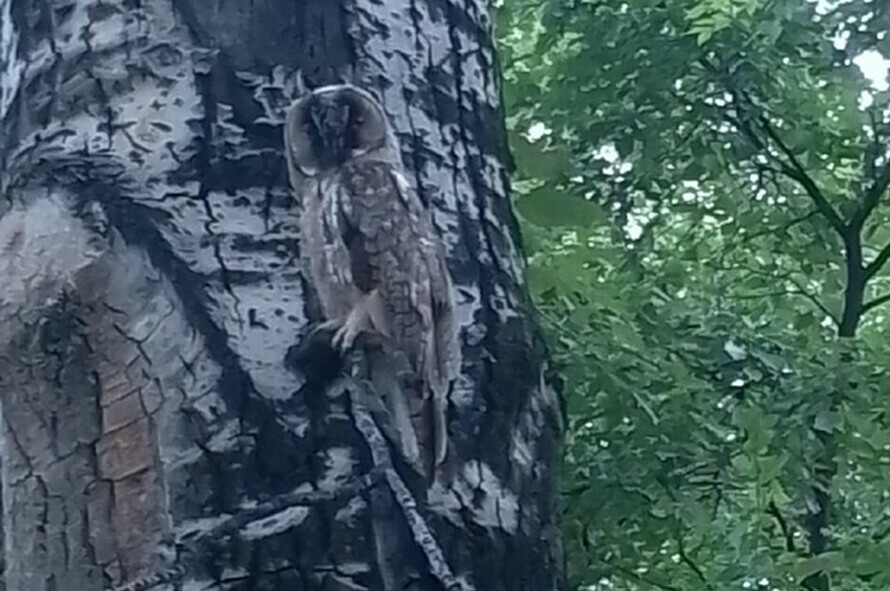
x: 343, y: 124
x: 332, y: 125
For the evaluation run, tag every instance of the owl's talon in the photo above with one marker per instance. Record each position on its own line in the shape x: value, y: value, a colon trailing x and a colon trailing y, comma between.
x: 345, y: 336
x: 329, y: 325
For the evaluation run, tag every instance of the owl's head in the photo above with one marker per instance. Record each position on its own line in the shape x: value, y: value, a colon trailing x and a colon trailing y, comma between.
x: 331, y: 125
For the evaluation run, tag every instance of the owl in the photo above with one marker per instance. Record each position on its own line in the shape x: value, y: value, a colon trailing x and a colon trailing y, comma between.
x: 369, y: 249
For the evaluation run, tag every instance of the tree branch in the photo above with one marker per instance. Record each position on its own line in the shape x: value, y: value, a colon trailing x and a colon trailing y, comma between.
x: 872, y: 198
x: 874, y: 147
x: 787, y: 533
x: 796, y: 171
x: 800, y: 288
x: 815, y: 301
x: 793, y: 169
x: 678, y: 537
x: 637, y: 578
x: 783, y: 228
x: 681, y: 550
x: 426, y: 542
x: 765, y: 294
x: 875, y: 302
x: 876, y: 265
x: 152, y: 581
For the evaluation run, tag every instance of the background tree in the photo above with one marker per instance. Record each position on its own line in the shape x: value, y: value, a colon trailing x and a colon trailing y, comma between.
x: 152, y: 433
x: 703, y: 189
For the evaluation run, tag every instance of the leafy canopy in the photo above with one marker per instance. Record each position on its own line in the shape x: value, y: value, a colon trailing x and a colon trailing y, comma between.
x: 702, y: 187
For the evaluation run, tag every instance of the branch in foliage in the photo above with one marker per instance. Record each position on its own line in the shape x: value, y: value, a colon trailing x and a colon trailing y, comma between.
x: 678, y: 537
x: 875, y: 303
x: 793, y: 169
x: 872, y: 198
x: 800, y: 289
x: 876, y: 265
x: 766, y: 294
x: 681, y: 550
x: 783, y: 228
x: 796, y: 171
x: 773, y: 510
x: 874, y: 148
x: 815, y: 301
x: 638, y: 578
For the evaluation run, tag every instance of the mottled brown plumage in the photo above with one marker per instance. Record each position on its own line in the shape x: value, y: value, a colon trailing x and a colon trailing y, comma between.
x: 371, y: 252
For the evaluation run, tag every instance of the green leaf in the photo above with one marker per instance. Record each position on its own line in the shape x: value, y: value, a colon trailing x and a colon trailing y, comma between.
x: 549, y: 207
x: 826, y: 421
x: 723, y: 115
x: 539, y: 159
x: 824, y: 563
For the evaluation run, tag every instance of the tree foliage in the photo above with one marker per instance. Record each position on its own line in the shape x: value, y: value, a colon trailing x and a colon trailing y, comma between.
x: 703, y: 191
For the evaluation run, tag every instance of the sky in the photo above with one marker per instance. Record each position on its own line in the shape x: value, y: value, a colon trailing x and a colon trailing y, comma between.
x: 871, y: 63
x: 874, y: 66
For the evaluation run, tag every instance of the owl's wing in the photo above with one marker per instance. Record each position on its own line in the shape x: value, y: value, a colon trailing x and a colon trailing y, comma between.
x: 393, y: 245
x: 372, y: 224
x: 444, y: 358
x: 360, y: 241
x: 441, y: 351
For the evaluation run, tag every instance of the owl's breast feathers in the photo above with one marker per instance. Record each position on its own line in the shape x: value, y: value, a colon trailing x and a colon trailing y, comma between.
x: 392, y: 247
x: 395, y: 252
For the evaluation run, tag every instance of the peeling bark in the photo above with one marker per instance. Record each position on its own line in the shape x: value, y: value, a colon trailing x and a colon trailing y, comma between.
x: 153, y: 435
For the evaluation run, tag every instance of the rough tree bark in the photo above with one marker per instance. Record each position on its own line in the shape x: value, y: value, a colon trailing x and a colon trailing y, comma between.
x: 153, y: 436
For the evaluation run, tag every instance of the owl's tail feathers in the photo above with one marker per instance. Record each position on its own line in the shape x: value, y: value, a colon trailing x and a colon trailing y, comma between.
x: 388, y: 388
x: 441, y: 368
x: 440, y: 426
x: 316, y: 357
x: 402, y: 418
x: 444, y: 458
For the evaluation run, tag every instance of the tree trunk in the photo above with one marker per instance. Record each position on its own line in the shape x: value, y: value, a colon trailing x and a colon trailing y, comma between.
x: 153, y: 435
